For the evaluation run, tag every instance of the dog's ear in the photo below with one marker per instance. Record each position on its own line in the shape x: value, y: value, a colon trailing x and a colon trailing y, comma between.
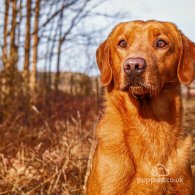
x: 186, y: 66
x: 103, y: 61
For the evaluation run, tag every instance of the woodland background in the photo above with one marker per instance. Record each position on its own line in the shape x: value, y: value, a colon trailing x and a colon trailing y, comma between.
x: 48, y: 114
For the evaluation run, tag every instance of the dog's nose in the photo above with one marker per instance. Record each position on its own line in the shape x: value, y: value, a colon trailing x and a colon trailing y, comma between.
x: 134, y: 65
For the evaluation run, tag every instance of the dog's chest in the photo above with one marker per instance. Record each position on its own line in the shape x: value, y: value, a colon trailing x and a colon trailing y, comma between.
x: 151, y: 142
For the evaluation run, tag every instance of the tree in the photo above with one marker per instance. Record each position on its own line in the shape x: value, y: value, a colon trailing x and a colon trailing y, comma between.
x: 13, y: 46
x: 5, y: 33
x: 11, y: 61
x: 57, y: 27
x: 33, y: 75
x: 27, y: 46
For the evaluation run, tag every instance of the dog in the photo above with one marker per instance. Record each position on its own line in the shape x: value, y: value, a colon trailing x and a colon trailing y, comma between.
x: 142, y: 147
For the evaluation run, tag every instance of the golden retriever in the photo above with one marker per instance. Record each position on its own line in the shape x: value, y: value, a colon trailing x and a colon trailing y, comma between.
x: 142, y: 147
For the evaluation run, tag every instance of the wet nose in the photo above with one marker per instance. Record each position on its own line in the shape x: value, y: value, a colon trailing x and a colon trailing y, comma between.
x: 134, y: 66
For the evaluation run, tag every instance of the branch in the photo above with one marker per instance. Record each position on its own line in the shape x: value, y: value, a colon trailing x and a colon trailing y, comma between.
x: 57, y: 12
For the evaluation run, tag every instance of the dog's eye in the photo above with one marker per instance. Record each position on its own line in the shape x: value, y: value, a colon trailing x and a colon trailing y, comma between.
x: 122, y: 43
x: 161, y: 44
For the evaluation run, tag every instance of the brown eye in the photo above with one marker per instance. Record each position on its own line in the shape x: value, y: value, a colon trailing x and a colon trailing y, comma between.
x: 122, y: 43
x: 161, y: 44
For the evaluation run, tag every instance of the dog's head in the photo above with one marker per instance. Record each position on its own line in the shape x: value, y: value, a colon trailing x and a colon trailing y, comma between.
x: 145, y: 57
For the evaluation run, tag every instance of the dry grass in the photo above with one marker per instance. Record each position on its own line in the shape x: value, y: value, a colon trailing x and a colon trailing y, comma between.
x: 49, y: 155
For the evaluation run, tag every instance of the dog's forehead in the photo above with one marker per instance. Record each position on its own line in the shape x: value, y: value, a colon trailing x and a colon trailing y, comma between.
x: 155, y: 27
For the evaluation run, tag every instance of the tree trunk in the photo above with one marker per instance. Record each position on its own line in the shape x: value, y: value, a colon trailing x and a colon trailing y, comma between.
x: 33, y: 76
x: 57, y: 76
x: 19, y: 22
x: 10, y: 69
x: 13, y: 46
x: 4, y: 78
x: 50, y: 80
x: 6, y: 17
x: 27, y: 44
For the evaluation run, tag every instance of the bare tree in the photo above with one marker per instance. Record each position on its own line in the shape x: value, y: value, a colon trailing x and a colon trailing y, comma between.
x: 10, y: 61
x: 5, y: 33
x: 27, y: 43
x: 33, y: 75
x: 13, y: 46
x: 57, y: 25
x: 57, y: 78
x: 63, y: 37
x: 19, y: 21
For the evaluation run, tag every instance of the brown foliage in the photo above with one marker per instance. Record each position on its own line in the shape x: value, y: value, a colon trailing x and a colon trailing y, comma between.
x: 45, y: 149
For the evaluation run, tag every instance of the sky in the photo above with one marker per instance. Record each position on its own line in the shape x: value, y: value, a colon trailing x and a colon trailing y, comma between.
x: 180, y: 12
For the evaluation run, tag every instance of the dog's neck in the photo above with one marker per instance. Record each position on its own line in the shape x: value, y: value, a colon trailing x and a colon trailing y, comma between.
x: 164, y: 107
x: 158, y: 117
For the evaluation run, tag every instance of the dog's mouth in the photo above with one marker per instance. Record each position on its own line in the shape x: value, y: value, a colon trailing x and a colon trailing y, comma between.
x: 141, y: 90
x: 138, y: 91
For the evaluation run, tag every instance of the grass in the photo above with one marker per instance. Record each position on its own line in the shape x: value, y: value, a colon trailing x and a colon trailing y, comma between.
x: 50, y: 154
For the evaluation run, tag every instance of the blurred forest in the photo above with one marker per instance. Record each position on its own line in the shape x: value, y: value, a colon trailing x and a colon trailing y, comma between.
x: 47, y: 113
x: 39, y: 39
